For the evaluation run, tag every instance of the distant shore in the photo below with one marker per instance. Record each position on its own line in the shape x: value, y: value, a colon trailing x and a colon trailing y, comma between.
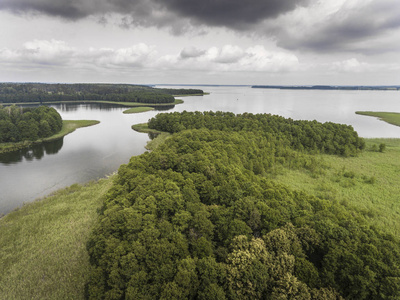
x: 331, y: 87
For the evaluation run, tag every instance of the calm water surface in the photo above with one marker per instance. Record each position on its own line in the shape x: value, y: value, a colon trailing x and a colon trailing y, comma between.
x: 93, y: 152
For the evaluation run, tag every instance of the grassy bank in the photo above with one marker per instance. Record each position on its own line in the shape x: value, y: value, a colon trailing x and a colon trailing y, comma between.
x: 389, y: 117
x: 68, y: 127
x: 369, y: 182
x: 43, y: 244
x: 158, y: 140
x: 139, y: 109
x: 144, y: 128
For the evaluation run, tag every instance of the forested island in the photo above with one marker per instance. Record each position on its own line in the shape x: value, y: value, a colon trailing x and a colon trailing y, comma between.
x: 21, y: 127
x: 43, y: 92
x: 202, y: 217
x: 28, y: 124
x: 331, y: 87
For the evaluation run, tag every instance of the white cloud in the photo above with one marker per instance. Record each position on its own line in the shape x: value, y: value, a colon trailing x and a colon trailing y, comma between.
x: 351, y: 65
x: 190, y: 52
x: 332, y: 26
x: 55, y: 53
x: 229, y: 54
x: 39, y: 52
x: 234, y: 58
x: 131, y: 57
x: 143, y: 62
x: 141, y: 56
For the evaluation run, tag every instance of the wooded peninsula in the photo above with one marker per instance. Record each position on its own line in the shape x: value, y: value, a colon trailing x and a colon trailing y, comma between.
x: 201, y: 217
x: 42, y: 92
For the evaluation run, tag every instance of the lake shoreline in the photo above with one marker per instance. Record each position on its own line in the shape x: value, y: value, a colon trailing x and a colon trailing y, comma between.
x: 69, y: 126
x: 392, y: 118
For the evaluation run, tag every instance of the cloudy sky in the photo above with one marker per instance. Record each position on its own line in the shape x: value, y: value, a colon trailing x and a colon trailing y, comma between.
x: 201, y: 42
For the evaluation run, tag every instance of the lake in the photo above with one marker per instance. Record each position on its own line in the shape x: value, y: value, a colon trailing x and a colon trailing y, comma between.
x: 94, y: 152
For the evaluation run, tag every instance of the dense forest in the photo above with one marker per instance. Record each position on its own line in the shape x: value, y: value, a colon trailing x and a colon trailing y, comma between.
x: 330, y: 138
x: 201, y: 217
x: 19, y: 124
x: 41, y: 92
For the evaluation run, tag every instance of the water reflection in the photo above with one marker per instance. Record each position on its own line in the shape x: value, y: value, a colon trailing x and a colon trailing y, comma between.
x: 71, y: 107
x: 33, y: 152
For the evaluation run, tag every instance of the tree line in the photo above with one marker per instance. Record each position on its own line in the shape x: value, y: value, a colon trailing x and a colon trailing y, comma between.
x: 200, y: 217
x: 19, y: 124
x: 41, y: 92
x: 312, y: 136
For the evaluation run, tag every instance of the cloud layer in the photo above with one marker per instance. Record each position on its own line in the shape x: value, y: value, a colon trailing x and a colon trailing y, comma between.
x: 348, y: 26
x: 55, y: 53
x: 330, y: 25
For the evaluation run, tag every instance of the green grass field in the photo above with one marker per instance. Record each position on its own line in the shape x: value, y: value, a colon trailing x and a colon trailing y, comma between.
x: 68, y: 127
x: 139, y: 109
x: 369, y: 182
x: 144, y: 128
x: 43, y: 244
x: 389, y: 117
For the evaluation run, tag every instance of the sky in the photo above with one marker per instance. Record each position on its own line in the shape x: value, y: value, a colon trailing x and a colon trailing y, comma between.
x: 250, y: 42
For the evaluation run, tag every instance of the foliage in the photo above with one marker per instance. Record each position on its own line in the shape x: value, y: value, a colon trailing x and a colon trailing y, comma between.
x: 20, y: 124
x: 41, y: 92
x: 199, y: 218
x: 181, y: 92
x: 312, y: 136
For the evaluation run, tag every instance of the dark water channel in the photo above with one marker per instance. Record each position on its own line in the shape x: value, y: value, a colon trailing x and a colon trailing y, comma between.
x: 93, y: 152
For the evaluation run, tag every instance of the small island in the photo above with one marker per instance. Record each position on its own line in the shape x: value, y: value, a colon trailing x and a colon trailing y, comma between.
x: 138, y: 109
x: 23, y: 127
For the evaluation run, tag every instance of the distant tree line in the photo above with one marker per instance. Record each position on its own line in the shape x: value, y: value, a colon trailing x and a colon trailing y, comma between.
x: 19, y: 124
x: 41, y: 92
x: 200, y: 218
x: 181, y: 91
x: 330, y: 138
x: 330, y: 87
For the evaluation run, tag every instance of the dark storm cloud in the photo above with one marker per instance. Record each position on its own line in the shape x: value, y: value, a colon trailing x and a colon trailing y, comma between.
x: 64, y: 9
x: 349, y: 29
x: 236, y: 14
x: 230, y: 13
